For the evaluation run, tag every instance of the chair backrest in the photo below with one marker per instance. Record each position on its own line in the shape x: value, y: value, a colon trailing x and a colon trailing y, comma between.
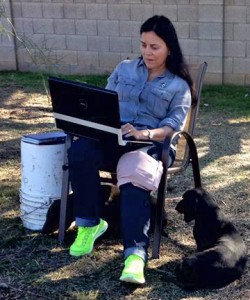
x: 197, y: 72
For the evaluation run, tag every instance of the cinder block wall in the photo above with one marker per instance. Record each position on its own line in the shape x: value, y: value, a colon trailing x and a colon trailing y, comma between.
x: 92, y: 36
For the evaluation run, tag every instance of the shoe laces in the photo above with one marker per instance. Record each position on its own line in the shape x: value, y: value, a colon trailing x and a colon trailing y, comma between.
x: 134, y: 263
x: 83, y: 234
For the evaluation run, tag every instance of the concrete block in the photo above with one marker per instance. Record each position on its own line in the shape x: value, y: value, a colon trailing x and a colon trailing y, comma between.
x: 55, y: 41
x: 66, y: 57
x: 108, y: 27
x: 213, y: 78
x: 86, y: 27
x: 214, y: 2
x: 118, y: 12
x: 64, y: 26
x: 241, y: 66
x: 235, y: 79
x: 130, y: 28
x: 242, y: 32
x: 235, y: 48
x: 85, y: 69
x: 108, y: 61
x: 229, y: 31
x: 170, y: 11
x: 194, y: 1
x: 248, y: 49
x: 136, y: 46
x: 210, y: 13
x: 194, y: 30
x: 180, y: 2
x: 96, y: 11
x: 7, y: 53
x: 211, y: 31
x: 229, y: 2
x: 36, y: 40
x: 214, y: 64
x: 62, y: 69
x: 155, y: 2
x: 141, y: 12
x: 76, y: 42
x: 189, y: 47
x: 235, y: 14
x: 247, y: 80
x: 7, y: 65
x: 32, y: 10
x: 171, y: 2
x: 83, y: 57
x: 210, y: 48
x: 28, y: 25
x: 228, y: 65
x: 248, y: 14
x: 128, y: 55
x: 16, y: 10
x: 74, y: 11
x: 98, y: 43
x: 120, y: 44
x: 43, y: 26
x: 53, y: 10
x: 182, y: 30
x: 24, y: 57
x: 23, y: 25
x: 187, y: 13
x: 6, y: 41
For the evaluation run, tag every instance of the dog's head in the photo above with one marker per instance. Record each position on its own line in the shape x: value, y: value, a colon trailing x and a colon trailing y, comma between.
x: 194, y: 201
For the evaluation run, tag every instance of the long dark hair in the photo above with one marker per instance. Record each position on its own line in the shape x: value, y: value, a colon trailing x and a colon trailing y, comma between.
x: 164, y: 28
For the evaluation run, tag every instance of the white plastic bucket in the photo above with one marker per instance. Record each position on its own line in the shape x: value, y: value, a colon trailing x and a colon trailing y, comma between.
x: 41, y: 180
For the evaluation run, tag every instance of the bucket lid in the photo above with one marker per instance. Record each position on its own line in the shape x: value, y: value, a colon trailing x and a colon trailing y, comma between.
x: 45, y: 138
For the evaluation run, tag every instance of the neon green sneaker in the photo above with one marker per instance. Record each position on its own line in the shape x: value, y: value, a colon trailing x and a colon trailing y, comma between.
x: 134, y: 270
x: 86, y: 237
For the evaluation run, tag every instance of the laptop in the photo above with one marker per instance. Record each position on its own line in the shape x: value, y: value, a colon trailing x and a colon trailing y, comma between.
x: 86, y: 110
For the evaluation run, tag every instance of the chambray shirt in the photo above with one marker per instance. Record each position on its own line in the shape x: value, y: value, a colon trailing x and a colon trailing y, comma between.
x: 149, y: 104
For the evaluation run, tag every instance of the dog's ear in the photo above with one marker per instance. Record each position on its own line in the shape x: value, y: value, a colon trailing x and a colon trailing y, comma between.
x: 180, y: 207
x: 190, y: 202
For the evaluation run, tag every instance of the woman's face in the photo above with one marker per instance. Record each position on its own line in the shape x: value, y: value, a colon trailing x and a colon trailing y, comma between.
x: 154, y: 51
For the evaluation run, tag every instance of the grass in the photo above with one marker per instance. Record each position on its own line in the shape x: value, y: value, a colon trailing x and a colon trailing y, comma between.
x: 35, y: 266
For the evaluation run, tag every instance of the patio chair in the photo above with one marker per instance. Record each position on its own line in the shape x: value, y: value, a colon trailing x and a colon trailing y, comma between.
x: 186, y: 154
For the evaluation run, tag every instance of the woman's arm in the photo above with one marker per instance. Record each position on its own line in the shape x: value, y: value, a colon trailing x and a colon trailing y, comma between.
x: 157, y: 134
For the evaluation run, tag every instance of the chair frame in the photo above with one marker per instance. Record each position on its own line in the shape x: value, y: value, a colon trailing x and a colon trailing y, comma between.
x: 190, y: 156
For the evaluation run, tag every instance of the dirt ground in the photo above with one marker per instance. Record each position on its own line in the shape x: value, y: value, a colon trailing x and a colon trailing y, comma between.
x: 37, y: 267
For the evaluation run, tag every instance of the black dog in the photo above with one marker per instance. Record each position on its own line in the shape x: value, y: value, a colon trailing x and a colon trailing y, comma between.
x: 222, y: 254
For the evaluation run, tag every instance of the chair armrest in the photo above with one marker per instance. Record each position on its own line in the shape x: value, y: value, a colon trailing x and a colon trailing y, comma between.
x: 167, y: 143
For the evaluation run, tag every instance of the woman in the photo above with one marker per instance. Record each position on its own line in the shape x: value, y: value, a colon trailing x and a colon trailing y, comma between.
x: 155, y: 95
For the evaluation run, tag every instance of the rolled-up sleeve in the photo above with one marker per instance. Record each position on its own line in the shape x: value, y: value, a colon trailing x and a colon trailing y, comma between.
x: 178, y: 107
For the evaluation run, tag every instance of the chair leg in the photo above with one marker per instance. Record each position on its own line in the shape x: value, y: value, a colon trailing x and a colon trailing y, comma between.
x: 64, y: 191
x: 194, y: 161
x: 159, y: 215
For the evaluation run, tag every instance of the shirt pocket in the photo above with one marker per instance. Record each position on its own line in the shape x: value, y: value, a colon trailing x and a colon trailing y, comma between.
x: 126, y: 88
x: 159, y: 101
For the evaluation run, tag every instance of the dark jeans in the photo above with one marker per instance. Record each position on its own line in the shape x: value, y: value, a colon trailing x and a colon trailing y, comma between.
x: 86, y: 158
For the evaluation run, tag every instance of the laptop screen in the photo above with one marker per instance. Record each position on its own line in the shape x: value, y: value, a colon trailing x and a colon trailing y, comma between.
x: 74, y: 100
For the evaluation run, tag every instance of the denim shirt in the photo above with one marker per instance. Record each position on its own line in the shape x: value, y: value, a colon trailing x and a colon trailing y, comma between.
x: 149, y: 104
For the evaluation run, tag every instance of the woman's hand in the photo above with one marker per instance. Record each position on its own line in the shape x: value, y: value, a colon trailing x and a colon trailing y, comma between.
x: 128, y: 130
